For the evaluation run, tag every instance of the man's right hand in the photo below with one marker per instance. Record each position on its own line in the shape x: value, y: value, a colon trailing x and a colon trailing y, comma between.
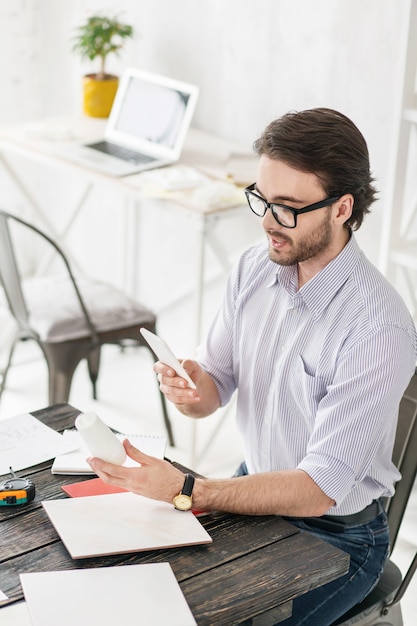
x: 174, y: 387
x: 177, y: 391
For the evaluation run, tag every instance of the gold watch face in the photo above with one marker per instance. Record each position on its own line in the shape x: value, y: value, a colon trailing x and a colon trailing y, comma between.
x: 183, y: 502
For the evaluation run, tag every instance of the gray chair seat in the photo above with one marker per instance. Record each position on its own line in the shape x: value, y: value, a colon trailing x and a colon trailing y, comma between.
x: 56, y: 315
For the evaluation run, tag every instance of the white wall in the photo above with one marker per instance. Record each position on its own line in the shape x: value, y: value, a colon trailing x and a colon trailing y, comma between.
x: 252, y: 59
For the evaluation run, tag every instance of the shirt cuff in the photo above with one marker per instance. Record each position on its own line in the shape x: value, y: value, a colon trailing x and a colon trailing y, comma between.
x: 333, y: 477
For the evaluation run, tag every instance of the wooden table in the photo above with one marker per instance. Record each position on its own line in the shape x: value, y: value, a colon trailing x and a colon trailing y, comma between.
x: 250, y: 574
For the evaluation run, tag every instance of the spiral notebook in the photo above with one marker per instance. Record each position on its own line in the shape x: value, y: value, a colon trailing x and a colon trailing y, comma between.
x: 75, y: 463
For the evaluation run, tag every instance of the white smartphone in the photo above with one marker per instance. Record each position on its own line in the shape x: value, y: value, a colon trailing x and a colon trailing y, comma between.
x: 165, y: 354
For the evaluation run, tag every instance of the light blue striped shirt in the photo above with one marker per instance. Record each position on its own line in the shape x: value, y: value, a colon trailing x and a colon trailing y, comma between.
x: 320, y: 371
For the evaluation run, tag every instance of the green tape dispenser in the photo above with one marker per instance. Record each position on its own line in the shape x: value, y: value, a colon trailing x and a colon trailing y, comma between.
x: 16, y: 491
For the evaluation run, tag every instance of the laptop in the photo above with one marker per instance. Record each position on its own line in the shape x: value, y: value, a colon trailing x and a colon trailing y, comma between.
x: 146, y: 128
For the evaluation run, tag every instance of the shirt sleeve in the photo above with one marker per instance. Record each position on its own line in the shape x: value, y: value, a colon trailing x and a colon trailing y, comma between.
x: 356, y: 419
x: 217, y: 355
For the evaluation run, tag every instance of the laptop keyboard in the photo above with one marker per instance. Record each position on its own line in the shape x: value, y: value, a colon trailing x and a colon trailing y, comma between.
x: 121, y: 153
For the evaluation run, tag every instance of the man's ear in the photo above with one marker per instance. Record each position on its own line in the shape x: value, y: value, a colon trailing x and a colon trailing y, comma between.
x: 344, y: 208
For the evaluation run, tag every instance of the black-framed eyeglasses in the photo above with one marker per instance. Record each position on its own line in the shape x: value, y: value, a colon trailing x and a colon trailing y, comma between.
x: 285, y: 216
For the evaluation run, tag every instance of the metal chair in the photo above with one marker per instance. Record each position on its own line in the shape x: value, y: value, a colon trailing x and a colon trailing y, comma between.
x: 69, y: 318
x: 382, y: 606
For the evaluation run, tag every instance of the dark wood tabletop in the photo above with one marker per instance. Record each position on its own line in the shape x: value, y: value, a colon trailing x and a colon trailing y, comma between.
x: 250, y: 574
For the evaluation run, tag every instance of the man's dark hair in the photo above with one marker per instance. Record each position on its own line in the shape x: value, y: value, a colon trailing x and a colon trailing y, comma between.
x: 326, y: 143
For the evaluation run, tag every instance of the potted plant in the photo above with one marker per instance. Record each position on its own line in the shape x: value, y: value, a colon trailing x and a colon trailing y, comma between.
x: 98, y: 37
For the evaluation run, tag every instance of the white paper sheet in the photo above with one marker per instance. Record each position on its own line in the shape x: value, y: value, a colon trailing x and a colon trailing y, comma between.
x: 16, y: 614
x: 3, y: 596
x: 129, y: 594
x: 26, y: 441
x: 120, y: 523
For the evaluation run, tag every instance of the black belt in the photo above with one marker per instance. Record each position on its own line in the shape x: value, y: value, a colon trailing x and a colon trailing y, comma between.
x: 336, y: 523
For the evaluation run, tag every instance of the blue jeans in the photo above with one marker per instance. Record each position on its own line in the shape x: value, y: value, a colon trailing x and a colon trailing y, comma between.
x: 367, y: 545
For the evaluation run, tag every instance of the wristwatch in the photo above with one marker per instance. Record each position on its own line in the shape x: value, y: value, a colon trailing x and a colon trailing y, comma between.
x: 183, y: 501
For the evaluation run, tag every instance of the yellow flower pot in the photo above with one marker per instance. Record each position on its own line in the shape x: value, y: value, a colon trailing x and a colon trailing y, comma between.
x: 98, y: 95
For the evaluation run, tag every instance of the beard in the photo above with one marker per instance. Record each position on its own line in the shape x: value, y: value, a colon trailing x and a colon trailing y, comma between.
x: 307, y: 247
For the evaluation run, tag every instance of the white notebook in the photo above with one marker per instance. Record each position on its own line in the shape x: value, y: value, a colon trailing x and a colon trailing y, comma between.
x: 129, y: 594
x: 120, y: 523
x: 74, y: 463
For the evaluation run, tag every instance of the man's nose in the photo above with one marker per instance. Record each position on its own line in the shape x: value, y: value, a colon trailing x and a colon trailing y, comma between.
x: 268, y: 220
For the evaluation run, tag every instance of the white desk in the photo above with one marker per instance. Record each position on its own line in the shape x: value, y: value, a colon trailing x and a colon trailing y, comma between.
x: 39, y: 143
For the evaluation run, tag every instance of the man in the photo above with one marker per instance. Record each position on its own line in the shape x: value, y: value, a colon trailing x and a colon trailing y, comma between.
x: 321, y: 349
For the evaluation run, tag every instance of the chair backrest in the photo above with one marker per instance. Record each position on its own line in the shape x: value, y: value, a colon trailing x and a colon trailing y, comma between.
x: 404, y: 457
x: 11, y: 279
x: 10, y: 276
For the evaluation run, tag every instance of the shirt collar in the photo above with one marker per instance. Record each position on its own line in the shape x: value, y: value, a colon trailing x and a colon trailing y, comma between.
x: 320, y: 290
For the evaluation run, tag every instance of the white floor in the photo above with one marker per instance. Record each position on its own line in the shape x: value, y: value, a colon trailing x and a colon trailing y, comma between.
x: 129, y: 401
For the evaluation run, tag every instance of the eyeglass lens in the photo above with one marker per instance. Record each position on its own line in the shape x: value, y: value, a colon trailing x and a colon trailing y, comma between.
x: 281, y: 214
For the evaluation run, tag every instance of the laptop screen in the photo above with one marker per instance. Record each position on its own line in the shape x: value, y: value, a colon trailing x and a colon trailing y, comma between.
x: 152, y: 111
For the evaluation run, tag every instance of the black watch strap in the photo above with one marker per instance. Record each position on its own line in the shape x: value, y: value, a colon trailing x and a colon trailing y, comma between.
x: 188, y: 485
